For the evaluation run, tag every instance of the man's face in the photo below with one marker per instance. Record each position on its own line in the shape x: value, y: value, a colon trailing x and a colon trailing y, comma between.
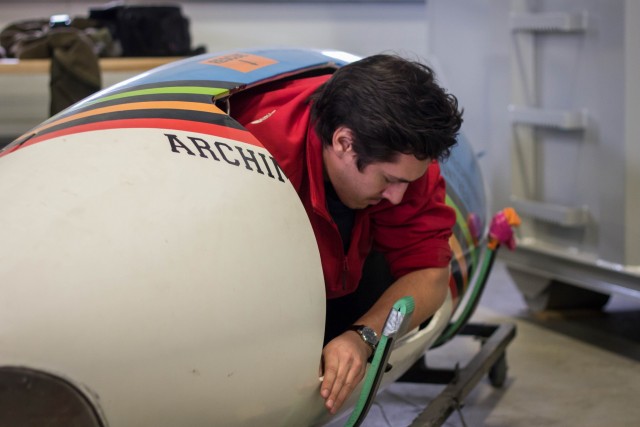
x: 376, y: 182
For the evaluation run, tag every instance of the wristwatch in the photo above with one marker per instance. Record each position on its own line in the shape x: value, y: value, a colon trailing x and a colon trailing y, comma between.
x: 367, y: 334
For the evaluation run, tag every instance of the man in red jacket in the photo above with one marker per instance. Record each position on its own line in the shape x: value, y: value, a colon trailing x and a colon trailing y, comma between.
x: 362, y: 147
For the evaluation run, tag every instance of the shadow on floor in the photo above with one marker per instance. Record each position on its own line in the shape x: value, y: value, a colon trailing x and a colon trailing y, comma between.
x: 612, y: 329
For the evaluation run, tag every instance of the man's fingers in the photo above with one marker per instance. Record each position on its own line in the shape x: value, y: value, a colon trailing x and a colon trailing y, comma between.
x: 327, y: 383
x: 344, y: 367
x: 334, y: 376
x: 331, y: 373
x: 344, y: 385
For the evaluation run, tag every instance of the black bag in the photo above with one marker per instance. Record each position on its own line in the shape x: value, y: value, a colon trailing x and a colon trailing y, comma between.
x: 147, y: 30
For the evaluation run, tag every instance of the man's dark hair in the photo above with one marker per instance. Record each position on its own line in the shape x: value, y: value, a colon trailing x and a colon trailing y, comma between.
x: 392, y: 105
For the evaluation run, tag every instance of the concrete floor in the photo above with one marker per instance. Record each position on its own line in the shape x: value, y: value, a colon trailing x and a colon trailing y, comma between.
x: 581, y: 370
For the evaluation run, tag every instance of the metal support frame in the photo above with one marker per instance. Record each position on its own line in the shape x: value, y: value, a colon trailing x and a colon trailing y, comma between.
x: 461, y: 381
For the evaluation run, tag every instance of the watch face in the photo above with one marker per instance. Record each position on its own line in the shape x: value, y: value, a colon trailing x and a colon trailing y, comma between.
x: 369, y: 335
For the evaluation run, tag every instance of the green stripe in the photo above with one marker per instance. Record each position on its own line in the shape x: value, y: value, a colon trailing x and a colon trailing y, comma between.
x: 198, y: 90
x: 464, y: 227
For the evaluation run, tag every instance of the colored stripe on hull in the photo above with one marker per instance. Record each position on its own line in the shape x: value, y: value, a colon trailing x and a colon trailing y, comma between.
x: 162, y: 124
x: 183, y: 90
x: 464, y: 250
x: 121, y: 108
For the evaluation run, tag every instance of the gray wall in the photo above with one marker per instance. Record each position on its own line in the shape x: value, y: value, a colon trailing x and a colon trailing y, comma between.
x: 470, y: 44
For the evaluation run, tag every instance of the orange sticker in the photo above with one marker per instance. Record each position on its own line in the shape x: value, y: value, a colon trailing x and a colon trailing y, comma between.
x: 243, y: 62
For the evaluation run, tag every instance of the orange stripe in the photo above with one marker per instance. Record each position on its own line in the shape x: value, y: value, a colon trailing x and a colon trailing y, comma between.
x: 458, y: 253
x: 147, y: 105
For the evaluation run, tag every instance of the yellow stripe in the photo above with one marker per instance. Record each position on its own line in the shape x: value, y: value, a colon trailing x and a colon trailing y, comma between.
x: 458, y: 253
x: 464, y: 228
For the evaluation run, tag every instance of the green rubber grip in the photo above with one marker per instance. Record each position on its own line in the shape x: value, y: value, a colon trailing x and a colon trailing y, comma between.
x: 395, y: 323
x: 405, y: 305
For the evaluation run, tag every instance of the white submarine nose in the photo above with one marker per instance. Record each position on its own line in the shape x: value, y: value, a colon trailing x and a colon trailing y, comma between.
x: 179, y: 264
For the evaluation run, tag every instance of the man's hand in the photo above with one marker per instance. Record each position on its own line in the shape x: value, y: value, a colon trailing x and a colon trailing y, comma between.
x: 345, y: 357
x: 344, y: 365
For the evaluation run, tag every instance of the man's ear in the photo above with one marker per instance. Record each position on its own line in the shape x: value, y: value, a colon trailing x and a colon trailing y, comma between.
x: 342, y: 141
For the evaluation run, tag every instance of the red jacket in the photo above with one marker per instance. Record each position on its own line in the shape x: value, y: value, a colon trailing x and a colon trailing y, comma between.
x: 413, y: 234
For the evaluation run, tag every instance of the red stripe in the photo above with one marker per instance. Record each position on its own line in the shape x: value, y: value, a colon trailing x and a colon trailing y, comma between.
x: 165, y: 124
x: 453, y: 287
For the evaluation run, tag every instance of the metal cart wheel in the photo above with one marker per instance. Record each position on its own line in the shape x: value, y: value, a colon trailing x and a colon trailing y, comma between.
x: 498, y: 372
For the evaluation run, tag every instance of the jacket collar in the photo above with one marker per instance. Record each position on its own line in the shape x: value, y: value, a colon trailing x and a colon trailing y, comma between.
x: 315, y: 168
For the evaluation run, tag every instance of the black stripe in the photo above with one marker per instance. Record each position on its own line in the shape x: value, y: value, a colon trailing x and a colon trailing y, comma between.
x: 457, y: 276
x: 189, y: 115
